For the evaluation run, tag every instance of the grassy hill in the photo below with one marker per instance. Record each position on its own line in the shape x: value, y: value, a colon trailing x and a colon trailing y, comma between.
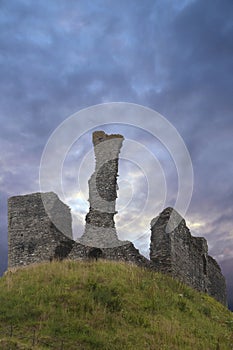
x: 107, y: 305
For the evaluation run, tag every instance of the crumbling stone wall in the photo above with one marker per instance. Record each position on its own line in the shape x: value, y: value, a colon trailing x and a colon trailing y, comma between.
x: 32, y: 235
x: 100, y: 228
x: 175, y: 251
x: 126, y: 252
x: 34, y: 238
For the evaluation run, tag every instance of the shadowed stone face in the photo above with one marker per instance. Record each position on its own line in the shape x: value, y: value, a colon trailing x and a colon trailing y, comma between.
x: 100, y: 226
x: 175, y: 251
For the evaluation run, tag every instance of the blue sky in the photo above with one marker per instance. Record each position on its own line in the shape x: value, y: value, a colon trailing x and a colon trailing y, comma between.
x: 175, y: 57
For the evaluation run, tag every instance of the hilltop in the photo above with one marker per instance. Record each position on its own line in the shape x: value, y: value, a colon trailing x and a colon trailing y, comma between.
x: 107, y: 305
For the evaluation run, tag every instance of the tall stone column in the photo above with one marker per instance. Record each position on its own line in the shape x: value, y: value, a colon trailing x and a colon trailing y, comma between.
x: 100, y: 228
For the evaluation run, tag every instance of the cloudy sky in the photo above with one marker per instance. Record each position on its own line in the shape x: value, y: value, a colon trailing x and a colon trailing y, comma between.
x: 172, y: 56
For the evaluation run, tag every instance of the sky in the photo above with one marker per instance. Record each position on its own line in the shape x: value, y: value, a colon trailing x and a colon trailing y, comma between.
x: 175, y: 57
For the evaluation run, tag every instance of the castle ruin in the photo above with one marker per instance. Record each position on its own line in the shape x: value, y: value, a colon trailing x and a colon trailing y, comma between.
x: 40, y: 229
x: 33, y: 237
x: 100, y: 228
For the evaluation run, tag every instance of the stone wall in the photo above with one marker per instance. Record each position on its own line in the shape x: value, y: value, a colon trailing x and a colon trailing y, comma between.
x: 32, y: 234
x: 175, y: 251
x: 34, y: 238
x: 126, y: 252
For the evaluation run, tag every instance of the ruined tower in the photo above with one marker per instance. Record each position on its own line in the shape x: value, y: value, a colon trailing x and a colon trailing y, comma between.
x: 175, y: 251
x: 100, y: 228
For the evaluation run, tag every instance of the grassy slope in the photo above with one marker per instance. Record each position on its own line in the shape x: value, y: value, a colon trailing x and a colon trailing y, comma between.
x: 107, y: 305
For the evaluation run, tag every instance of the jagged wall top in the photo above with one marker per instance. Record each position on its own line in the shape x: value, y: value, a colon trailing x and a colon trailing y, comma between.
x: 100, y: 136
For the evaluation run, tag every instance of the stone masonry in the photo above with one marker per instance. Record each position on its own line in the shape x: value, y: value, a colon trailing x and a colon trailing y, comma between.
x: 175, y: 251
x: 40, y: 229
x: 33, y: 236
x: 100, y: 228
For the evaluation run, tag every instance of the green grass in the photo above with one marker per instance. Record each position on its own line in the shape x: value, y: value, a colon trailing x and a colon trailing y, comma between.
x: 107, y: 305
